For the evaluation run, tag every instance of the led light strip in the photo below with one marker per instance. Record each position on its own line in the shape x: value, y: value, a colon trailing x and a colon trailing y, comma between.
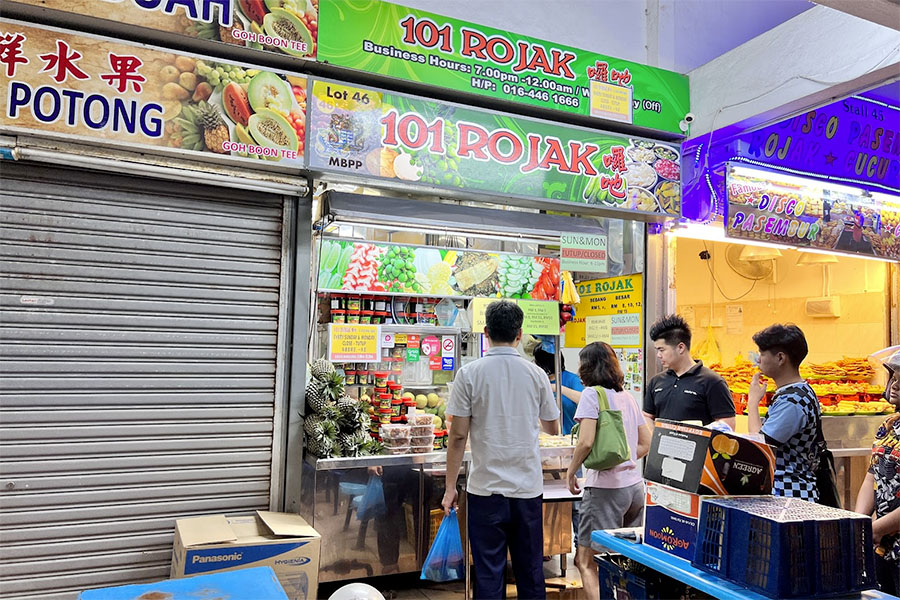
x: 811, y: 175
x: 878, y: 102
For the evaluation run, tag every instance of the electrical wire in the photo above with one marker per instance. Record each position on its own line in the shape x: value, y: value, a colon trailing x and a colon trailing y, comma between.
x: 718, y: 287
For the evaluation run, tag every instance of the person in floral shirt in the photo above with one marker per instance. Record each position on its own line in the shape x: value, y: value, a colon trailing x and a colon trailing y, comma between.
x: 880, y: 492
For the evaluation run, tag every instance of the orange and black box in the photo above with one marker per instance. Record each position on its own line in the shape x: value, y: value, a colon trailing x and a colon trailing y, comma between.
x: 706, y: 461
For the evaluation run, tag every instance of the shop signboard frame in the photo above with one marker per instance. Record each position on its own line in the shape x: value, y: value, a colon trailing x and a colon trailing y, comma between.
x: 769, y: 207
x: 429, y: 49
x: 850, y: 142
x: 366, y: 134
x: 248, y: 24
x: 82, y: 87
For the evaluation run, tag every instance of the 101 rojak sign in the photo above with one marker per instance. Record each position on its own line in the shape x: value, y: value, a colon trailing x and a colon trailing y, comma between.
x: 423, y: 47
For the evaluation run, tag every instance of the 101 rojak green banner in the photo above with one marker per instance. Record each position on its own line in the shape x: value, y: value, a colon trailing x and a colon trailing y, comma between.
x: 422, y: 47
x: 371, y: 133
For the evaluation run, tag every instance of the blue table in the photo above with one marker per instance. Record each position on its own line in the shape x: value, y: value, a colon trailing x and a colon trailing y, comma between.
x: 685, y: 572
x: 258, y: 583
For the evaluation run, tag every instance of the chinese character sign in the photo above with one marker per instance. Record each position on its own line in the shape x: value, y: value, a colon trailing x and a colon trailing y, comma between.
x: 378, y: 134
x: 283, y: 26
x: 80, y: 86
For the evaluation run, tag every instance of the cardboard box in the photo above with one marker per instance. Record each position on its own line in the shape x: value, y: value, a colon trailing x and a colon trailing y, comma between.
x: 258, y: 583
x: 700, y: 460
x: 282, y: 541
x: 671, y: 519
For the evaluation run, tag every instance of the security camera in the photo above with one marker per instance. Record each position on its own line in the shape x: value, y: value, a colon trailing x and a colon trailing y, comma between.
x: 684, y: 126
x: 689, y: 118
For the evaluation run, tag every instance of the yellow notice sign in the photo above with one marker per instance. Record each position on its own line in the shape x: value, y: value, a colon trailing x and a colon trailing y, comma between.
x: 479, y: 306
x: 354, y: 343
x: 541, y: 317
x: 607, y: 297
x: 611, y: 102
x: 598, y: 329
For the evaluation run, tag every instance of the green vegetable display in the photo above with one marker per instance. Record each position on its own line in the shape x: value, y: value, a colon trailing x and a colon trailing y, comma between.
x: 397, y: 270
x: 517, y: 275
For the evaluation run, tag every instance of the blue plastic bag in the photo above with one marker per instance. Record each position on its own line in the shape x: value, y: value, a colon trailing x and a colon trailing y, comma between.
x: 372, y: 505
x: 445, y: 559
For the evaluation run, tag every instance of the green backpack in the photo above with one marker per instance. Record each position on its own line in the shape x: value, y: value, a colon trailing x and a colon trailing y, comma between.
x: 610, y: 442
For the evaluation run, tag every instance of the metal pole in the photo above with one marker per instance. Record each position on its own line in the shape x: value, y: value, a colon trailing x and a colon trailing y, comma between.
x: 557, y: 368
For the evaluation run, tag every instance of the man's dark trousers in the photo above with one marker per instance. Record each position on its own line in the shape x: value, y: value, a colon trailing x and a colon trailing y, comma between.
x: 497, y: 523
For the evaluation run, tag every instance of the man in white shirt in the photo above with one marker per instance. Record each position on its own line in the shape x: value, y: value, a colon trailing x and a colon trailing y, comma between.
x: 504, y: 401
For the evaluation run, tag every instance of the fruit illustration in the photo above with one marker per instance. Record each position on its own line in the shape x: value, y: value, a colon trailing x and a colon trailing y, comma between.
x: 362, y: 269
x: 202, y: 92
x: 547, y: 285
x: 219, y: 74
x: 255, y: 10
x: 236, y: 104
x: 281, y: 23
x: 271, y: 130
x: 215, y: 131
x: 397, y: 271
x: 244, y: 137
x: 436, y: 169
x: 437, y: 277
x: 518, y: 275
x: 269, y: 91
x: 188, y: 133
x: 226, y: 34
x: 725, y: 446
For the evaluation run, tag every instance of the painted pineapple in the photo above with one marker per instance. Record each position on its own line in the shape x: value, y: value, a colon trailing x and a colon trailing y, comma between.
x: 215, y: 131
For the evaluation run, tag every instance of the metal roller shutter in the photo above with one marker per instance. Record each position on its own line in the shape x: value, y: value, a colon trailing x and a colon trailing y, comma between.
x: 138, y: 328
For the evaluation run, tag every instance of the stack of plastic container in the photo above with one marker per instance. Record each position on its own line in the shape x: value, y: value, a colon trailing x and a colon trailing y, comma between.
x: 422, y: 433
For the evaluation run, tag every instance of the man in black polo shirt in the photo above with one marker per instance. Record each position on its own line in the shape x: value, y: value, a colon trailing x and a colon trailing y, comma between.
x: 686, y: 391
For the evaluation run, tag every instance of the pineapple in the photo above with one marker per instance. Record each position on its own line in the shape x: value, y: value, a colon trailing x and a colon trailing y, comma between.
x: 348, y: 412
x: 315, y: 395
x: 352, y: 444
x: 321, y: 434
x: 363, y: 421
x: 215, y: 132
x: 334, y: 386
x: 372, y: 447
x: 321, y: 369
x: 318, y: 427
x: 323, y: 448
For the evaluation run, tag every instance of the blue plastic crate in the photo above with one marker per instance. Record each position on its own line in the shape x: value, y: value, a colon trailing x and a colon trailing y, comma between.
x: 620, y: 577
x: 785, y: 547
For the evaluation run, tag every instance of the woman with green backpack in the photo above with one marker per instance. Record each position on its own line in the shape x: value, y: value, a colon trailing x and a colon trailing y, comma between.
x: 612, y: 437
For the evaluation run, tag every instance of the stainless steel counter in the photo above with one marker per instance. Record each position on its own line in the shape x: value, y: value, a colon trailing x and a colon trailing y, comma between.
x: 855, y: 431
x: 385, y: 460
x: 395, y: 536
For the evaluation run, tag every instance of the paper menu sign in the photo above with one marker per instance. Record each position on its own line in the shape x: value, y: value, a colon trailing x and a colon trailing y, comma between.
x: 354, y: 343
